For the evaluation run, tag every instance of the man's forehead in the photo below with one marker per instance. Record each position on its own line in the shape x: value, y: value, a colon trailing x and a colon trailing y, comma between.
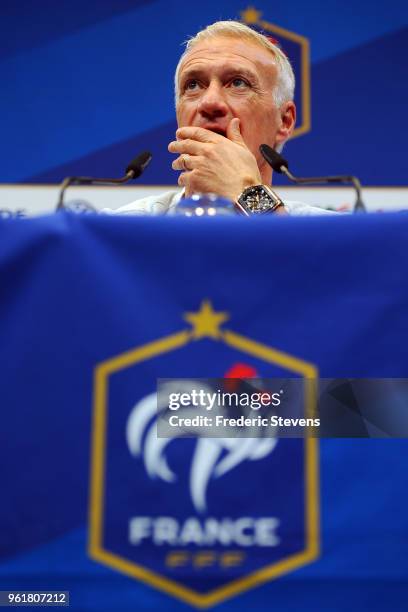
x: 230, y: 49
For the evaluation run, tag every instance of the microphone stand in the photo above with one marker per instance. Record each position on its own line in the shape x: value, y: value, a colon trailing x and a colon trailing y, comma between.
x: 87, y: 180
x: 133, y: 171
x: 279, y: 163
x: 314, y: 180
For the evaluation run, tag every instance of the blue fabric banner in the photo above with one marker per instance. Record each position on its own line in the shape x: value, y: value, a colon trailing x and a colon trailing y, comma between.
x: 94, y: 309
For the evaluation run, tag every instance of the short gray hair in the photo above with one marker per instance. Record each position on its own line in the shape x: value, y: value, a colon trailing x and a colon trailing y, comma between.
x: 285, y: 86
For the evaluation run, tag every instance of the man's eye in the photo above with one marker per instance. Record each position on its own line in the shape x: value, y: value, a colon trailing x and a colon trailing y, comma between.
x: 191, y: 85
x: 238, y: 82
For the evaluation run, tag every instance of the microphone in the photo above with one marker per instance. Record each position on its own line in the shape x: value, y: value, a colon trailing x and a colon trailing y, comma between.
x: 281, y: 165
x: 133, y: 171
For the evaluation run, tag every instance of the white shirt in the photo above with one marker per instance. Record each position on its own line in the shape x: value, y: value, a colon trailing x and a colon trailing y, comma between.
x: 165, y: 203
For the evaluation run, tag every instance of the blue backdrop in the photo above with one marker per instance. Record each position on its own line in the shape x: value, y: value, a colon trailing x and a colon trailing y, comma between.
x: 86, y: 85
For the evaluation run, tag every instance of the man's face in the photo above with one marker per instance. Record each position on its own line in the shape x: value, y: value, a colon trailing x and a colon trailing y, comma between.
x: 222, y: 78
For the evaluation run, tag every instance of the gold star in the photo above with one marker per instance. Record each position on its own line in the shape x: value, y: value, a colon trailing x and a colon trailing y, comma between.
x: 206, y: 321
x: 251, y: 15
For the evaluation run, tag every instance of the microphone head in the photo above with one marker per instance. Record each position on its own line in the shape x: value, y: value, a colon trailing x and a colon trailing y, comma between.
x: 273, y: 158
x: 139, y: 163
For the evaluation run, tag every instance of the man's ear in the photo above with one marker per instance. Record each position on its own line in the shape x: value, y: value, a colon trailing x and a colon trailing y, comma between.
x: 288, y: 119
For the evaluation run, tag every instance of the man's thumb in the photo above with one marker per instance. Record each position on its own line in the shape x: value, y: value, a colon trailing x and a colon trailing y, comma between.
x: 234, y: 132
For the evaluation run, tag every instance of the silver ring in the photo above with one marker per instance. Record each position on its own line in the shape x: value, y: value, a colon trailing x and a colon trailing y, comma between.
x: 183, y: 161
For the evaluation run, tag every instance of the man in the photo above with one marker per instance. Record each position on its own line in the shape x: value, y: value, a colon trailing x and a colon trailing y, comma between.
x: 234, y: 91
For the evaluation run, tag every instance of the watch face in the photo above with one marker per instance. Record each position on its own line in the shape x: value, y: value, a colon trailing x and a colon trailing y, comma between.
x: 257, y: 200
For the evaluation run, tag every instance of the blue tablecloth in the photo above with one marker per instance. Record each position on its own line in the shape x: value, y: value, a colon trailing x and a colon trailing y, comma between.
x: 93, y: 310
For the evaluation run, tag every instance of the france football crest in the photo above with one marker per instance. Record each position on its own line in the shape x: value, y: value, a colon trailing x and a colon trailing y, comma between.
x: 201, y: 519
x: 296, y: 47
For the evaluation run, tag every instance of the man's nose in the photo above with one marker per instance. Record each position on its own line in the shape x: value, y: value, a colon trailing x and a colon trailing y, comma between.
x: 212, y: 101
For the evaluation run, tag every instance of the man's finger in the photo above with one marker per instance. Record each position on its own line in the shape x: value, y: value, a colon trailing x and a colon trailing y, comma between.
x: 186, y: 162
x: 199, y: 134
x: 234, y: 132
x: 184, y: 179
x: 186, y: 146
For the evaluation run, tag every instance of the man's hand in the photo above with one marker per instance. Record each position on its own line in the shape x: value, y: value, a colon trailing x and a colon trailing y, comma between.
x: 212, y: 163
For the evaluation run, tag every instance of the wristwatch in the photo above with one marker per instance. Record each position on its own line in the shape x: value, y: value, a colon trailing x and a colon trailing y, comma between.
x: 258, y: 200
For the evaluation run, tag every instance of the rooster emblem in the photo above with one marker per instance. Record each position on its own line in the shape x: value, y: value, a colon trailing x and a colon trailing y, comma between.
x: 212, y: 457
